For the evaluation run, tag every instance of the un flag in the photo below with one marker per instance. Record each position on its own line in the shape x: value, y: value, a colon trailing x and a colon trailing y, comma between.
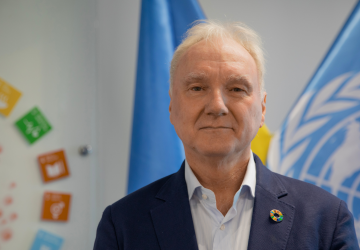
x: 319, y: 141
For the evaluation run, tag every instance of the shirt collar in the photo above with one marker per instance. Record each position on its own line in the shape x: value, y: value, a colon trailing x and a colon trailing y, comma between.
x: 249, y: 179
x: 191, y: 180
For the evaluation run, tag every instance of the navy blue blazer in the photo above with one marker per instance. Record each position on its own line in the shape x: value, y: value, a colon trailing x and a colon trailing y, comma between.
x: 158, y: 216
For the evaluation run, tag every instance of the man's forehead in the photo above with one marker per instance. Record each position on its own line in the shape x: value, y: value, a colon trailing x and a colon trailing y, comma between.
x: 224, y: 50
x: 224, y: 56
x: 219, y: 45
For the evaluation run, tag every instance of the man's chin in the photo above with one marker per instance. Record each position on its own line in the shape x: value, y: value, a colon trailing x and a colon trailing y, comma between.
x: 216, y: 151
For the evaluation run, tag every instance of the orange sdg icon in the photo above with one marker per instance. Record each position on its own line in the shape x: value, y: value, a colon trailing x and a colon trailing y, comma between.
x: 53, y: 166
x: 56, y: 206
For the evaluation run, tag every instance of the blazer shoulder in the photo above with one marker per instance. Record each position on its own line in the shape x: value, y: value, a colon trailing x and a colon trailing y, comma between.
x: 319, y: 211
x: 125, y: 220
x: 306, y: 192
x: 141, y: 198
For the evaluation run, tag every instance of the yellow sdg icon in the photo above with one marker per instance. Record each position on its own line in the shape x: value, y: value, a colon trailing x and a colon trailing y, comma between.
x: 8, y: 97
x: 276, y: 215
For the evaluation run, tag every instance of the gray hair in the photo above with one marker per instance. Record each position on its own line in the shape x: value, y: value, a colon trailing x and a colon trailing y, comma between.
x: 210, y: 30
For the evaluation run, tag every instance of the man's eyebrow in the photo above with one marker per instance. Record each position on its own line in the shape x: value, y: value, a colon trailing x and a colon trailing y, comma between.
x: 195, y: 76
x: 238, y: 78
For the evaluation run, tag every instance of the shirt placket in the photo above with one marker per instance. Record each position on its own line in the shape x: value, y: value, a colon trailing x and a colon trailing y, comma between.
x: 221, y: 223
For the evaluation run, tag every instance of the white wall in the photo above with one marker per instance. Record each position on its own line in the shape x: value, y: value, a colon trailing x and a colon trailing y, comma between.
x: 118, y: 23
x: 47, y: 51
x: 296, y: 36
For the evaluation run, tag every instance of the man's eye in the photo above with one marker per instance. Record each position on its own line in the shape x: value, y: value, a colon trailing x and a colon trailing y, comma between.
x: 236, y: 90
x: 196, y: 88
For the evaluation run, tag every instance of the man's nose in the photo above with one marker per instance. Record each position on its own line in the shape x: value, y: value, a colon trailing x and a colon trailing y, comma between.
x: 216, y: 104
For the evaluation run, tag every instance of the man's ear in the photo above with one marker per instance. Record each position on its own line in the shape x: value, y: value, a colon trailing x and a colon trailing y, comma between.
x: 170, y: 101
x: 170, y: 104
x: 263, y: 108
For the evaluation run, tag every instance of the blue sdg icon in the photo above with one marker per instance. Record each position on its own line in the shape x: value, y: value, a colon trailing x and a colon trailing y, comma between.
x: 320, y: 141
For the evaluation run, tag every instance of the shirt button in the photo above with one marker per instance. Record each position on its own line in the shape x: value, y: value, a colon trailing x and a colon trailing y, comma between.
x: 222, y: 228
x: 204, y: 196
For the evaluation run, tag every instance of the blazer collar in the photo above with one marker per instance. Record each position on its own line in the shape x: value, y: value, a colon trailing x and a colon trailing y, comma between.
x: 266, y: 233
x: 174, y: 225
x: 172, y: 220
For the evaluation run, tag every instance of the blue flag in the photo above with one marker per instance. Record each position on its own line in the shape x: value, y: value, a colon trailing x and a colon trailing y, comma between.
x: 319, y: 141
x: 156, y: 150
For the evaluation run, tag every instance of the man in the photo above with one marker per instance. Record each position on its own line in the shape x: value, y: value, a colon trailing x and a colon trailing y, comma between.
x: 223, y: 197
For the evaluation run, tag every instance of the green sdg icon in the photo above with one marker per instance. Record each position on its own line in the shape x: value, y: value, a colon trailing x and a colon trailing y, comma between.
x: 33, y: 125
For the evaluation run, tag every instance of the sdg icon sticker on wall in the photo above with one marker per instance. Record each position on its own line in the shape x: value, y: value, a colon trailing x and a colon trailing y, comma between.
x: 8, y: 97
x: 46, y: 241
x: 33, y: 125
x: 53, y: 166
x: 56, y: 206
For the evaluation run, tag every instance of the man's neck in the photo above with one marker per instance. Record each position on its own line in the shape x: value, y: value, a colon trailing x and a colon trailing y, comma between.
x: 223, y: 176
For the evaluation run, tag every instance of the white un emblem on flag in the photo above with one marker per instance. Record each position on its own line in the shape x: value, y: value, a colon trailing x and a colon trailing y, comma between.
x: 320, y: 141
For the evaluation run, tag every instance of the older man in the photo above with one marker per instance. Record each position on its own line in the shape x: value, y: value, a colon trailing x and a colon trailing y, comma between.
x: 223, y: 197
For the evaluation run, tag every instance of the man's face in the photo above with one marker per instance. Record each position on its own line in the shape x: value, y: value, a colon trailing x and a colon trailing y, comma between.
x: 216, y: 105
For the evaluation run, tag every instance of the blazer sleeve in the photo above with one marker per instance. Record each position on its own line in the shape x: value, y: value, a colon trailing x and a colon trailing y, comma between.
x: 344, y: 235
x: 105, y: 235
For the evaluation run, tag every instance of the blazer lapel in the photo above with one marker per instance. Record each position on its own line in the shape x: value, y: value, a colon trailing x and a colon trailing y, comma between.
x: 172, y: 220
x: 266, y: 233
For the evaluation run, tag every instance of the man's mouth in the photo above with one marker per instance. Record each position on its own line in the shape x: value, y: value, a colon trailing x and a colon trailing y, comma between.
x: 218, y: 127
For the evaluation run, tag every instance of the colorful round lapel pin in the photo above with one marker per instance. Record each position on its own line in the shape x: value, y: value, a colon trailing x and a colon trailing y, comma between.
x: 276, y: 215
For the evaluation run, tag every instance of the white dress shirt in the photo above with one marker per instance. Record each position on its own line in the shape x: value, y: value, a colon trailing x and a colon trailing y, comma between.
x: 213, y: 230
